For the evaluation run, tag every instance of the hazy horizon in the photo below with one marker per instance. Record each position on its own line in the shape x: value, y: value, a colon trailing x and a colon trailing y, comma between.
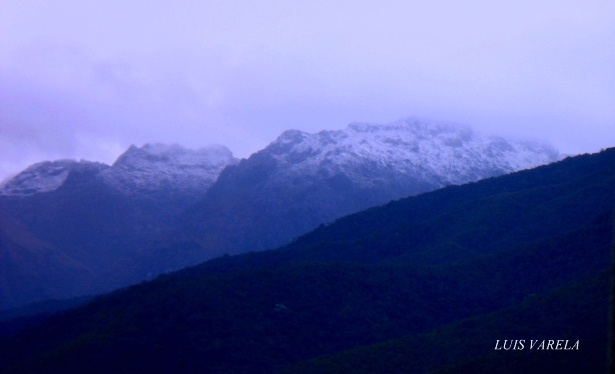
x: 84, y: 81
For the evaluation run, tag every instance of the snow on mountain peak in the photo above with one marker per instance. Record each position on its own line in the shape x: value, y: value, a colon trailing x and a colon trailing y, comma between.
x: 291, y: 137
x: 148, y: 169
x: 155, y: 167
x: 155, y: 155
x: 435, y: 152
x: 45, y: 176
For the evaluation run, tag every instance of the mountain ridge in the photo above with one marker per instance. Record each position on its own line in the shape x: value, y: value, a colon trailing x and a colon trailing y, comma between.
x: 161, y: 207
x: 143, y: 170
x: 302, y: 180
x: 406, y: 145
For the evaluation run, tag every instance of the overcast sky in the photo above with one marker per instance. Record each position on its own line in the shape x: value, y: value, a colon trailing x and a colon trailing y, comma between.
x: 85, y: 79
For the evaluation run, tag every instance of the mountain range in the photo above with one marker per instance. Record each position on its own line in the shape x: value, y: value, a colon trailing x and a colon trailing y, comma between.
x: 93, y: 215
x: 154, y: 170
x: 303, y: 180
x: 422, y: 284
x: 159, y: 207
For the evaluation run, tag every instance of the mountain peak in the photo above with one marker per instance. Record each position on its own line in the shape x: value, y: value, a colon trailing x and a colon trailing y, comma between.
x: 152, y: 153
x: 302, y: 180
x: 172, y: 167
x: 290, y: 137
x: 438, y: 152
x: 46, y: 176
x: 149, y: 169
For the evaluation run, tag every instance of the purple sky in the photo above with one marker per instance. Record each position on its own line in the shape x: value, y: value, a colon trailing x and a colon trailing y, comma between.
x: 85, y: 79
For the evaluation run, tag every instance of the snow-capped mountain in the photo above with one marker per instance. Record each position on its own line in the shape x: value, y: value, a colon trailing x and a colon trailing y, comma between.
x: 163, y: 207
x: 150, y: 169
x: 436, y: 153
x: 170, y: 168
x: 302, y: 180
x: 97, y: 215
x: 46, y: 176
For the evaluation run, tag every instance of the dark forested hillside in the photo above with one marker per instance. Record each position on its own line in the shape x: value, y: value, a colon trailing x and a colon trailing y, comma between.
x: 444, y: 274
x: 462, y: 346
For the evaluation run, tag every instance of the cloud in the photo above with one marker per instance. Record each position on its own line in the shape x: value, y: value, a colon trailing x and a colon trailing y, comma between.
x: 86, y: 80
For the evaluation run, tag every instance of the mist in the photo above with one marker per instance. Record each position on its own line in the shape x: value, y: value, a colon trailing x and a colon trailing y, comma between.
x: 81, y: 80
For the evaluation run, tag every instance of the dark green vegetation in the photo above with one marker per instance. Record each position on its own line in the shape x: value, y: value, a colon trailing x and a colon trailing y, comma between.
x: 424, y: 284
x: 15, y: 320
x: 578, y: 311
